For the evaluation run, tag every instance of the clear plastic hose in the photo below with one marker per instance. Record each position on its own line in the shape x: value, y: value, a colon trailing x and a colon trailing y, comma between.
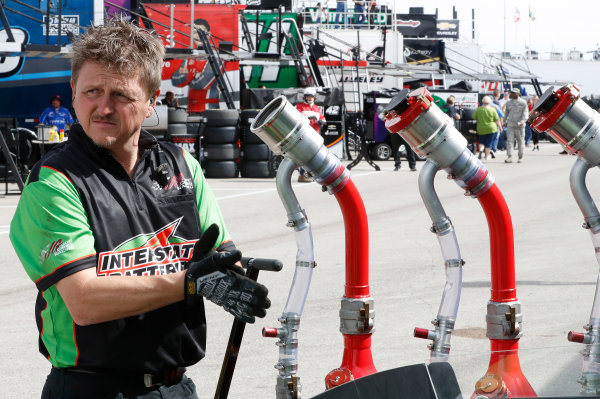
x: 595, y: 316
x: 304, y: 269
x: 305, y: 256
x: 442, y: 227
x: 451, y: 297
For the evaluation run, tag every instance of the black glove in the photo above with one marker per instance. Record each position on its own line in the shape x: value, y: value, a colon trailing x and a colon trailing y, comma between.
x: 219, y: 280
x: 321, y: 122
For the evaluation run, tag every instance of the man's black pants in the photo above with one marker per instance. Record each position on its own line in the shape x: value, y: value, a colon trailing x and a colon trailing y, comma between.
x: 397, y: 141
x: 74, y: 384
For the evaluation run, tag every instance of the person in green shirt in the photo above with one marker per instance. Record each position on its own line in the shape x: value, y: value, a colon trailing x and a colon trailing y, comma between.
x: 488, y: 123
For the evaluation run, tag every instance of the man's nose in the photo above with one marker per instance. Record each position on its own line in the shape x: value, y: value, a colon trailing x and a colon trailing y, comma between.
x: 105, y: 105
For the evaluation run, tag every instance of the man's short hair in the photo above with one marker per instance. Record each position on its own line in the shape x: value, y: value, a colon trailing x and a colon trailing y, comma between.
x: 124, y: 48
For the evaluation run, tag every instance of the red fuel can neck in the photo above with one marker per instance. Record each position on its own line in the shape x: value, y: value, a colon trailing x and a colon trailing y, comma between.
x: 563, y: 98
x: 417, y: 102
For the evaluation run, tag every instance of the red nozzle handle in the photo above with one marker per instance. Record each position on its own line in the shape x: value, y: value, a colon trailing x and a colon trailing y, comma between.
x: 421, y: 333
x: 576, y: 337
x: 269, y: 332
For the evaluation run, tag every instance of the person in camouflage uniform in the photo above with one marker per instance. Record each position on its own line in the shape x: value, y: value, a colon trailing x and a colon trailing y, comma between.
x: 515, y: 117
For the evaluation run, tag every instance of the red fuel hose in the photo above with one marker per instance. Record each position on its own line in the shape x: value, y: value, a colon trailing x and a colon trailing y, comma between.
x: 357, y: 359
x: 502, y: 248
x: 504, y: 360
x: 357, y: 241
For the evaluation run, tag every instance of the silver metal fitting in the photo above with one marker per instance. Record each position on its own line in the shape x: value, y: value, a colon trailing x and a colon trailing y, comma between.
x: 357, y: 316
x: 328, y: 170
x: 441, y: 339
x: 287, y: 132
x: 298, y: 220
x: 288, y: 343
x: 590, y: 378
x: 454, y: 263
x: 441, y: 227
x: 434, y: 136
x: 300, y: 263
x: 592, y: 223
x: 288, y: 387
x: 471, y: 175
x: 504, y: 320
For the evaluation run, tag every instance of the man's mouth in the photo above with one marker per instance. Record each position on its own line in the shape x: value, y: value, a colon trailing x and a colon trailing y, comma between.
x: 104, y: 121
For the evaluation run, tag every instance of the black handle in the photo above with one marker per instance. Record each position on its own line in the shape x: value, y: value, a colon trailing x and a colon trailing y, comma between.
x: 253, y: 266
x: 271, y: 265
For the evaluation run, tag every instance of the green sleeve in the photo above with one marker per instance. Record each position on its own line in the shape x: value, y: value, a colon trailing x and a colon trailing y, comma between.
x: 208, y: 209
x: 50, y: 231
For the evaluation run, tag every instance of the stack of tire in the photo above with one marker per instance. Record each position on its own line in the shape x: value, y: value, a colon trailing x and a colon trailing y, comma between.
x: 195, y: 128
x: 258, y: 161
x: 467, y: 126
x: 183, y: 134
x: 221, y: 143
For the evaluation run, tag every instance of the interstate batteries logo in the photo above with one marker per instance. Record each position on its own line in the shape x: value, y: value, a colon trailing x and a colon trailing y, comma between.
x: 56, y: 248
x: 161, y: 252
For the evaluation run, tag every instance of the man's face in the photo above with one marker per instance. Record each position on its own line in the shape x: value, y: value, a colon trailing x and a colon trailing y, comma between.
x: 56, y: 103
x: 109, y: 106
x: 309, y: 99
x: 514, y: 96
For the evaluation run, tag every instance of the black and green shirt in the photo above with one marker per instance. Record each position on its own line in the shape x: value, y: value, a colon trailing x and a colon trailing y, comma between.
x: 80, y: 209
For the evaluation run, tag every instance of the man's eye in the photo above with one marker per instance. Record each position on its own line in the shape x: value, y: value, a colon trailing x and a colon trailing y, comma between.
x: 122, y: 97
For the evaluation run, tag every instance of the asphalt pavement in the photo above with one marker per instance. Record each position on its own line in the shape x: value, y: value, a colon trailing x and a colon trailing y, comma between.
x: 556, y: 274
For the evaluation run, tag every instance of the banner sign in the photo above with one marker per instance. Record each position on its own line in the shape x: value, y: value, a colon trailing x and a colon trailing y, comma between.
x: 271, y: 76
x: 268, y: 4
x: 447, y: 28
x: 69, y: 24
x: 416, y: 25
x: 420, y: 51
x: 312, y: 15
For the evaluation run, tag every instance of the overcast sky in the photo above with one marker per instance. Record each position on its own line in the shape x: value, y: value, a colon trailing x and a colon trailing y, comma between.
x: 558, y: 25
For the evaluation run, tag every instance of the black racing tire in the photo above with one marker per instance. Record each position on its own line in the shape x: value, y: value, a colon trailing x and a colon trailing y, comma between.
x: 255, y: 169
x: 256, y: 152
x: 221, y: 134
x: 221, y: 117
x: 248, y: 116
x: 177, y: 115
x: 250, y: 138
x: 274, y: 163
x: 176, y: 129
x: 221, y: 152
x: 189, y: 143
x: 194, y: 128
x: 220, y: 169
x: 381, y: 151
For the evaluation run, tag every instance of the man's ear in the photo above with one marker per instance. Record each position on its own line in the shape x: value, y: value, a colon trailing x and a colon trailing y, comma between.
x: 152, y: 103
x: 72, y: 90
